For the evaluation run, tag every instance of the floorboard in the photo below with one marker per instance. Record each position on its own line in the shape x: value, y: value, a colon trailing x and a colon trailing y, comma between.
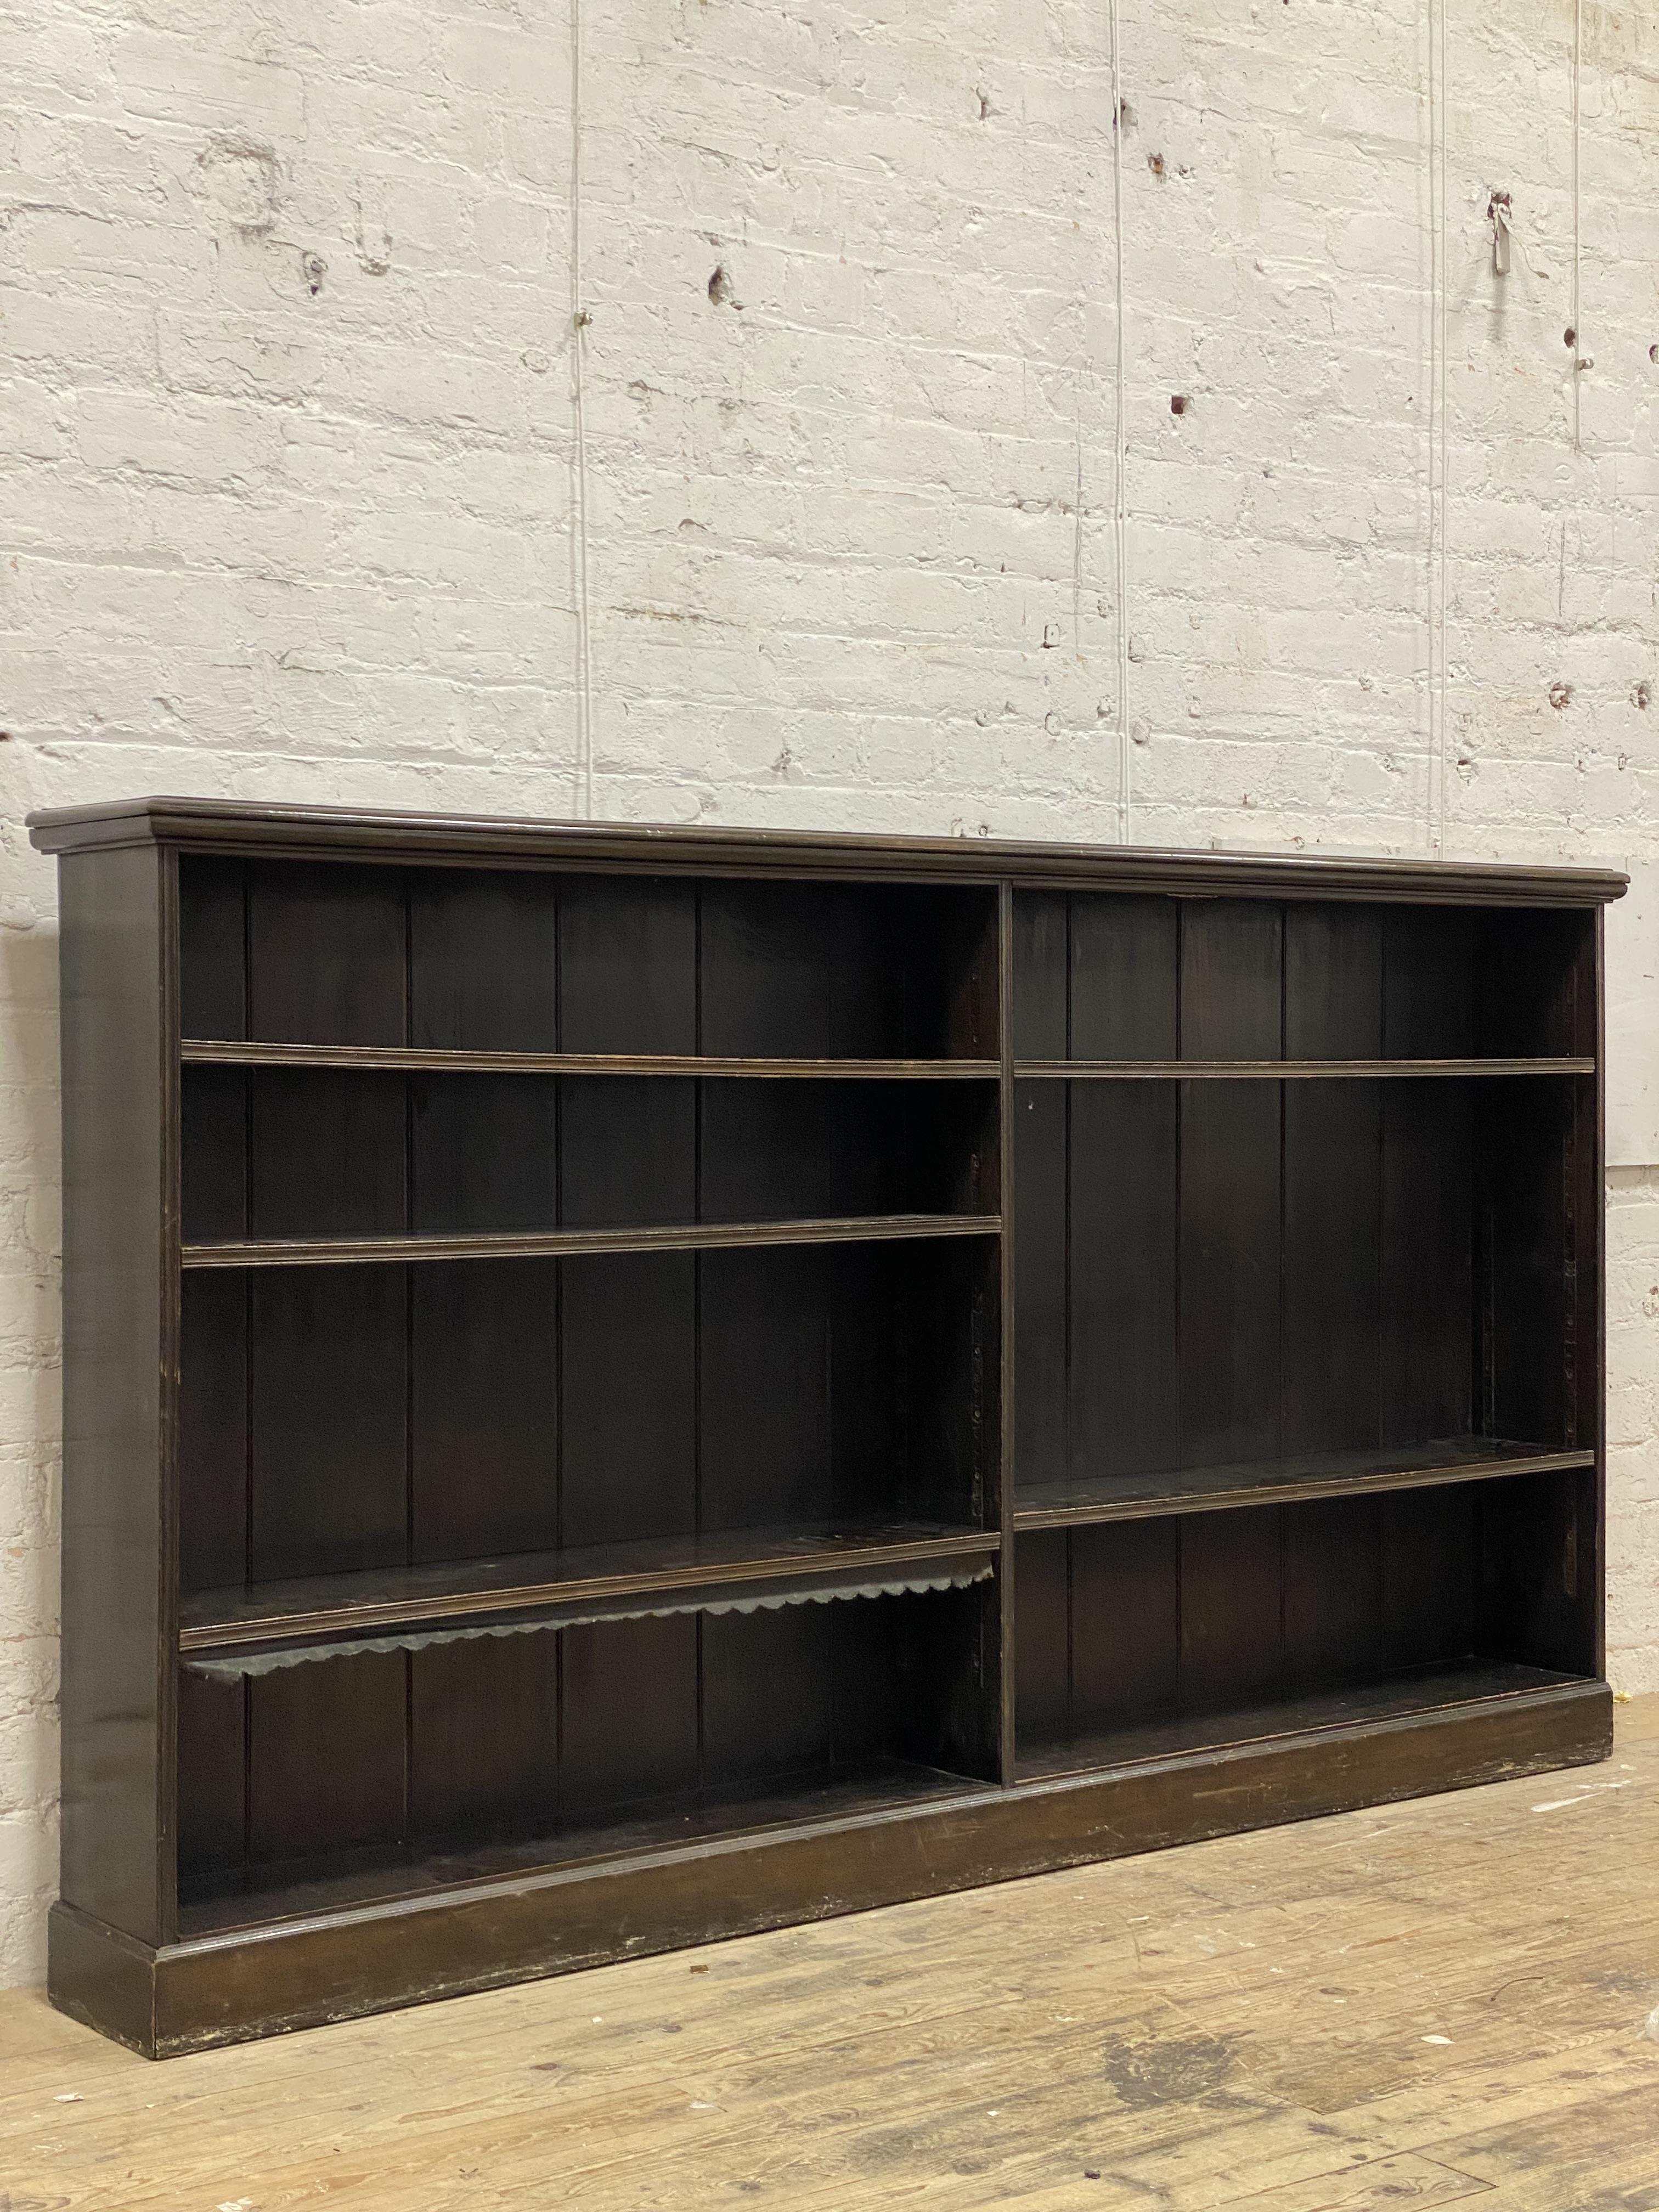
x: 1431, y: 2004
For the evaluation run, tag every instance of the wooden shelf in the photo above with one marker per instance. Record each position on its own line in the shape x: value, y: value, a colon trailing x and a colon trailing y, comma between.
x: 868, y: 1791
x: 1285, y: 1071
x: 224, y: 1052
x: 219, y: 1052
x: 570, y: 1243
x: 1391, y: 1698
x: 1280, y: 1481
x: 760, y: 1566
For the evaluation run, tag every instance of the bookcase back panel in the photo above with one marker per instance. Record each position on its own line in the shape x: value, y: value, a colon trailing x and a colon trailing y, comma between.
x: 335, y: 1419
x: 1104, y: 976
x: 876, y: 969
x: 328, y: 1402
x: 626, y: 1433
x: 212, y: 947
x: 327, y: 955
x: 278, y: 1153
x: 1338, y: 1166
x: 531, y: 960
x: 484, y: 1407
x: 1215, y: 1272
x: 1231, y: 969
x: 549, y: 1738
x: 1209, y: 1273
x: 1532, y: 1217
x: 213, y: 1431
x: 1229, y: 1262
x: 1540, y: 1593
x: 1191, y: 1615
x: 1428, y: 1183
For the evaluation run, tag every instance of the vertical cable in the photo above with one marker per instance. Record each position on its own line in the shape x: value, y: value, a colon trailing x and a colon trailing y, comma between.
x: 1577, y: 327
x: 1436, y: 251
x: 1438, y: 446
x: 579, y: 322
x: 1077, y: 518
x: 1120, y: 533
x: 1440, y: 837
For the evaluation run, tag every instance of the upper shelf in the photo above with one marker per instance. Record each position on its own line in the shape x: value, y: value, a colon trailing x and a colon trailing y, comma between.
x: 229, y: 1630
x: 572, y: 1243
x: 1285, y: 1070
x: 224, y: 1052
x: 1282, y: 1481
x: 229, y: 1052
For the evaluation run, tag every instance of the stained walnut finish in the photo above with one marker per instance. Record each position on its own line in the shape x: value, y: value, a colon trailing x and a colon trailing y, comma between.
x: 626, y: 1385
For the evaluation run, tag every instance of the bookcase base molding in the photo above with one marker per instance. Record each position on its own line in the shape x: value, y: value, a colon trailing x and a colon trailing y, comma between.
x: 625, y: 1386
x: 253, y: 1982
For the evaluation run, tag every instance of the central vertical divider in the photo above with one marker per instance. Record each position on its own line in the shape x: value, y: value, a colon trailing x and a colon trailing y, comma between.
x: 696, y: 1300
x: 1067, y: 1464
x: 1005, y: 1303
x: 409, y: 1350
x: 247, y: 1376
x: 558, y: 883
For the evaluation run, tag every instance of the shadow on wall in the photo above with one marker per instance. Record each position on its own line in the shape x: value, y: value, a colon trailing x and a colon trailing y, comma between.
x: 30, y: 1492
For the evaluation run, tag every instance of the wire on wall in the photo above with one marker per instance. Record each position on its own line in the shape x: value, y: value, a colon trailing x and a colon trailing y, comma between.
x: 1439, y: 446
x: 1077, y: 516
x: 1120, y: 527
x: 579, y: 320
x: 1577, y: 324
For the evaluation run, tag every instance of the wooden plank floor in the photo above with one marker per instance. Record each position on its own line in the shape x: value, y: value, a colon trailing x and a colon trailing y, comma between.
x: 1437, y: 2004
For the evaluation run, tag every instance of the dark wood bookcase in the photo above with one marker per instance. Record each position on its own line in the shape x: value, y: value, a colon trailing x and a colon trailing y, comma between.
x: 628, y: 1385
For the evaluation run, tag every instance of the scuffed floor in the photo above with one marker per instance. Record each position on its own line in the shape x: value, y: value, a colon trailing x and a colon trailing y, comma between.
x: 1437, y: 2003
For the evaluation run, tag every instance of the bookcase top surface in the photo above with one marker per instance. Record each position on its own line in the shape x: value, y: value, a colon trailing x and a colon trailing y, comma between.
x: 311, y: 832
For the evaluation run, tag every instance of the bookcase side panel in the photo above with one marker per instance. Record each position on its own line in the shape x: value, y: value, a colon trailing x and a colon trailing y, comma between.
x: 119, y: 1375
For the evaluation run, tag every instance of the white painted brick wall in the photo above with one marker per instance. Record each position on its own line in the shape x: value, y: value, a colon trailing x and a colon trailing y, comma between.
x: 309, y: 535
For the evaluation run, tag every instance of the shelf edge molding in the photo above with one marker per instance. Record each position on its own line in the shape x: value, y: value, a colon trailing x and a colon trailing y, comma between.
x: 574, y: 1243
x: 238, y: 826
x: 230, y: 1052
x: 1287, y: 1071
x: 1081, y: 1509
x: 763, y: 1597
x: 235, y: 1633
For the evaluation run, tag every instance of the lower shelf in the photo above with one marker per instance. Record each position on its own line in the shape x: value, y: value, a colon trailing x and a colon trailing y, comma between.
x: 1399, y: 1697
x: 249, y: 1629
x: 351, y: 1880
x: 653, y: 1824
x: 335, y: 1960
